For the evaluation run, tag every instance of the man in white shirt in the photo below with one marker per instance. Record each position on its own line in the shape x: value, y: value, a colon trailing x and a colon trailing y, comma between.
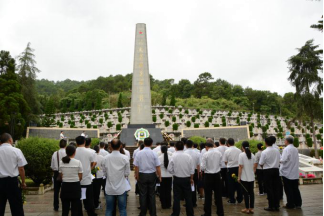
x: 87, y: 159
x: 102, y: 151
x: 222, y: 148
x: 56, y: 158
x: 211, y: 165
x: 196, y: 164
x: 274, y: 145
x: 230, y: 158
x: 289, y: 170
x: 171, y: 149
x: 182, y: 168
x: 127, y: 153
x: 157, y: 148
x: 12, y: 162
x: 83, y: 134
x: 116, y: 167
x: 87, y: 146
x: 62, y: 135
x: 269, y: 161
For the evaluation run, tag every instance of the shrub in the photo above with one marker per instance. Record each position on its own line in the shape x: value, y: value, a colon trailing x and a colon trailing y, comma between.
x: 197, y: 139
x: 196, y: 125
x: 320, y: 153
x: 118, y: 127
x: 120, y: 118
x: 207, y: 124
x: 175, y: 127
x: 153, y: 111
x: 93, y: 119
x: 62, y: 118
x: 307, y: 136
x: 170, y: 111
x: 296, y: 142
x: 180, y: 116
x: 279, y: 135
x: 86, y: 122
x: 174, y: 119
x: 101, y: 121
x: 292, y: 130
x: 167, y: 123
x: 61, y: 125
x: 253, y: 145
x: 210, y: 119
x: 109, y: 124
x: 309, y: 142
x: 193, y: 119
x: 224, y: 124
x: 321, y: 130
x: 188, y: 123
x: 161, y: 115
x: 216, y: 125
x: 95, y: 126
x: 251, y: 134
x: 88, y: 125
x: 187, y: 112
x: 38, y: 153
x: 318, y: 136
x: 81, y: 121
x: 154, y: 118
x: 94, y: 142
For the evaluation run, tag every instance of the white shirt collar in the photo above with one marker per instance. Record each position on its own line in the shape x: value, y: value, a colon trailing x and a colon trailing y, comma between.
x: 6, y: 144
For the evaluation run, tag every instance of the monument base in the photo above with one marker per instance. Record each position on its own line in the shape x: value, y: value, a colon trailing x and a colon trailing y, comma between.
x: 127, y: 134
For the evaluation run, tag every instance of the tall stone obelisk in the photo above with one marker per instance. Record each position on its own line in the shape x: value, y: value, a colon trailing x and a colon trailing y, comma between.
x: 141, y: 111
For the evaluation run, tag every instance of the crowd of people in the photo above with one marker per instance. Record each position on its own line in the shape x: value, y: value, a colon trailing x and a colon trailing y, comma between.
x: 215, y: 169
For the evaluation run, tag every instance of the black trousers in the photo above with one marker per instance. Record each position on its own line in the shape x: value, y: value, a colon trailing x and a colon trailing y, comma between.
x: 213, y: 183
x: 146, y: 184
x: 292, y: 192
x: 194, y: 193
x: 165, y: 192
x: 234, y: 186
x: 97, y: 183
x: 88, y: 202
x: 182, y: 186
x: 272, y: 183
x: 248, y: 194
x: 259, y: 174
x: 10, y: 191
x: 57, y: 188
x: 224, y: 182
x: 70, y: 197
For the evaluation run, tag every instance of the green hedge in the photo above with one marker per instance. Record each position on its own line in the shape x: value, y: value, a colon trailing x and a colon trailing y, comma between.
x: 320, y: 153
x: 94, y: 142
x: 38, y: 153
x: 253, y: 145
x: 198, y: 139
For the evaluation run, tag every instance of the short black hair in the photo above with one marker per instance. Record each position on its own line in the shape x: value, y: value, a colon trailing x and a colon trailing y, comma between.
x: 184, y: 139
x: 96, y: 148
x: 179, y: 145
x: 115, y: 144
x: 231, y: 141
x: 158, y: 143
x: 80, y: 140
x: 148, y: 141
x: 5, y: 137
x: 88, y: 141
x: 222, y: 141
x: 189, y: 143
x: 172, y: 143
x: 63, y: 143
x: 209, y: 145
x: 202, y: 146
x: 195, y: 145
x: 102, y: 144
x: 273, y: 139
x: 259, y: 146
x: 216, y: 144
x: 269, y: 141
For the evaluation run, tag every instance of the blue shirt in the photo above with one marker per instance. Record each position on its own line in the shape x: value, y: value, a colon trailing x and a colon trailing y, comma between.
x: 147, y: 161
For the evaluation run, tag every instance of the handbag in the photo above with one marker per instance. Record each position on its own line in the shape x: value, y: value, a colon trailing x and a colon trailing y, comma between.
x: 59, y: 177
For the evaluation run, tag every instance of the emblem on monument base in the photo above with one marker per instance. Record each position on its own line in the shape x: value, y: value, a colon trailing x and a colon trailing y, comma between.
x: 141, y: 134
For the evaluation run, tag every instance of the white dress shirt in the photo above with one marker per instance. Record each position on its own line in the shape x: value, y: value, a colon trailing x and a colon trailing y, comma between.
x: 195, y: 157
x: 61, y: 136
x: 270, y: 158
x: 86, y: 157
x: 135, y: 152
x: 54, y: 162
x: 157, y: 149
x: 164, y: 172
x: 127, y: 153
x: 211, y: 161
x: 83, y: 134
x: 181, y: 165
x: 103, y: 152
x: 231, y: 156
x: 100, y: 172
x: 289, y: 167
x: 247, y: 170
x: 257, y: 159
x: 160, y: 153
x: 94, y: 154
x: 171, y: 149
x: 71, y: 170
x: 222, y: 149
x: 116, y: 168
x: 10, y: 159
x: 146, y: 160
x: 202, y: 152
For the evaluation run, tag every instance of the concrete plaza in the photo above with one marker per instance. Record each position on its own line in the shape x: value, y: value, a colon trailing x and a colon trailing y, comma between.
x: 312, y: 195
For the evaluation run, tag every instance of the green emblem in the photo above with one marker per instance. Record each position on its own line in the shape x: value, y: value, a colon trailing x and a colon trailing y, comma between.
x: 141, y: 134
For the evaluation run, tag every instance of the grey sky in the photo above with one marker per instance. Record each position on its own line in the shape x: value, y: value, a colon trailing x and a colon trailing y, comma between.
x: 245, y: 42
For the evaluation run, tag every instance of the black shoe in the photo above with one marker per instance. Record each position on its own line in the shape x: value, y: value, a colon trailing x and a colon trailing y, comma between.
x: 239, y: 202
x: 276, y: 209
x: 138, y: 207
x: 229, y: 202
x: 269, y: 209
x: 56, y: 209
x: 288, y: 207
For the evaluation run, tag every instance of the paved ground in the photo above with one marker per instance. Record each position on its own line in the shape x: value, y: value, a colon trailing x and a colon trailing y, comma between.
x: 41, y: 205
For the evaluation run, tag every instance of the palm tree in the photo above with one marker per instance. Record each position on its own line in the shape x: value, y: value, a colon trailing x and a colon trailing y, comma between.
x: 304, y: 71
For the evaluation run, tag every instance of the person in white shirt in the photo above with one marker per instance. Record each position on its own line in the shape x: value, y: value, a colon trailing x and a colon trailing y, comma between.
x: 171, y: 149
x: 127, y: 153
x: 157, y: 148
x: 139, y: 144
x: 116, y: 168
x: 62, y: 135
x: 102, y: 151
x: 230, y: 158
x: 196, y: 164
x: 83, y: 134
x: 71, y: 174
x: 195, y: 147
x: 87, y: 146
x: 166, y: 184
x: 211, y: 165
x: 246, y: 176
x: 274, y: 145
x: 12, y: 162
x: 182, y: 169
x: 289, y: 170
x: 269, y: 161
x: 259, y: 170
x: 55, y: 164
x: 200, y: 181
x: 222, y: 148
x: 88, y: 162
x: 97, y: 181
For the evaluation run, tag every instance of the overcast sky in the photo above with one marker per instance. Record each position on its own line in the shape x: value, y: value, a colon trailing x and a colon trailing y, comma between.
x: 245, y: 42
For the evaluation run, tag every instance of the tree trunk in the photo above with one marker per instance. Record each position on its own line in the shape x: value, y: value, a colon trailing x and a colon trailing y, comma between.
x: 314, y: 138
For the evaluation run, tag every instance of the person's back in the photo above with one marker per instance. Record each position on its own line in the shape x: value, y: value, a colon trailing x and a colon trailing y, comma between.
x: 231, y: 156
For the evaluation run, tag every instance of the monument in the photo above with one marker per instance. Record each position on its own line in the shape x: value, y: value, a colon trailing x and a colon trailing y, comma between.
x: 141, y: 124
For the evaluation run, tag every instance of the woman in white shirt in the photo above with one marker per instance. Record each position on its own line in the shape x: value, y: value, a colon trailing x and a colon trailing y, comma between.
x: 98, y: 180
x: 166, y: 184
x: 71, y: 172
x: 246, y: 176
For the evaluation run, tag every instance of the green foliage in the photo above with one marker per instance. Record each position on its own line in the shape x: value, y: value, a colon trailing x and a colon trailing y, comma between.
x: 279, y: 135
x: 95, y: 126
x: 321, y: 130
x: 187, y: 112
x: 89, y: 125
x: 196, y: 125
x: 307, y: 136
x: 197, y: 139
x: 174, y: 119
x: 153, y: 111
x: 180, y: 116
x: 154, y: 118
x: 320, y: 153
x: 175, y: 127
x: 188, y: 123
x: 167, y: 123
x: 193, y: 119
x: 210, y: 119
x: 161, y: 115
x: 251, y: 134
x: 109, y: 124
x: 216, y: 125
x: 253, y: 145
x: 224, y: 124
x: 118, y: 127
x: 309, y: 142
x: 120, y: 118
x: 101, y: 121
x: 38, y: 152
x: 120, y: 103
x: 173, y: 100
x: 292, y: 130
x: 170, y: 111
x: 318, y: 136
x: 206, y: 124
x: 94, y: 142
x: 296, y: 142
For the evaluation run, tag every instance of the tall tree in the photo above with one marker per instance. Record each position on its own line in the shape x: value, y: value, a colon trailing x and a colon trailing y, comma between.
x: 202, y: 85
x: 27, y: 75
x: 120, y: 103
x: 173, y: 100
x: 304, y: 71
x: 318, y: 26
x: 13, y: 107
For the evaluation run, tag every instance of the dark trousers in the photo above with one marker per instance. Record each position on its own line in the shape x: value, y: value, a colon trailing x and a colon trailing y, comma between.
x: 88, y: 202
x: 259, y: 174
x: 57, y: 187
x: 146, y: 184
x: 70, y: 197
x: 292, y: 192
x: 194, y: 193
x: 281, y: 189
x: 248, y: 194
x: 272, y: 182
x: 10, y: 191
x: 96, y: 190
x: 233, y: 186
x: 213, y: 183
x: 165, y: 192
x: 182, y: 186
x: 224, y: 182
x: 70, y: 203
